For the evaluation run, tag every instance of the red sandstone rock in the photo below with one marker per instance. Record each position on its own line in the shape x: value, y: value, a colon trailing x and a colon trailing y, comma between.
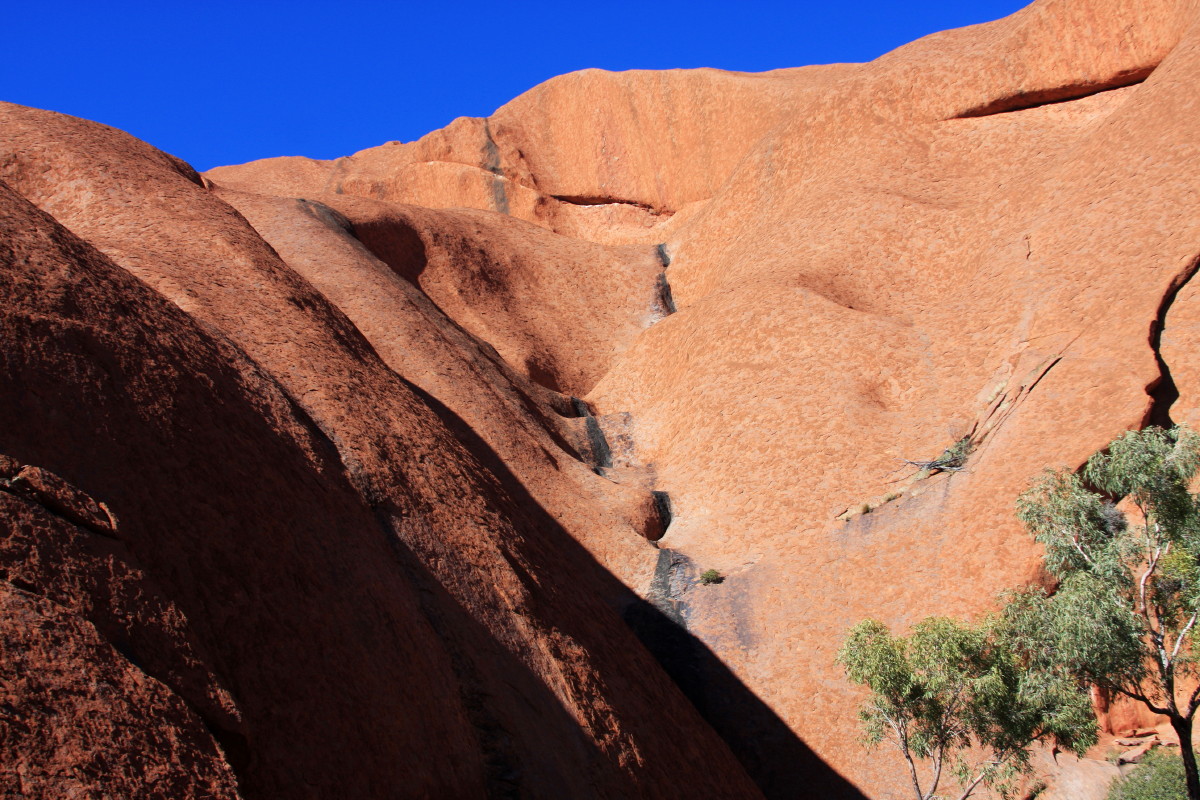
x: 990, y: 232
x: 386, y: 604
x: 611, y: 157
x: 234, y: 582
x: 935, y: 277
x: 62, y: 498
x: 82, y: 721
x: 516, y: 418
x: 1135, y: 755
x: 1070, y: 778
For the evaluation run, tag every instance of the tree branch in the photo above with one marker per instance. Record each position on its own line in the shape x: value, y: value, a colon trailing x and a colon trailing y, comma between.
x: 1142, y: 699
x: 912, y: 768
x: 1074, y: 539
x: 1193, y: 701
x: 902, y: 739
x: 1183, y: 635
x: 1142, y: 585
x: 937, y: 772
x: 978, y: 778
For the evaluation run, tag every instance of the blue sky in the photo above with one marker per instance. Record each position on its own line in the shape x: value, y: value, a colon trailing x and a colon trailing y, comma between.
x: 222, y: 82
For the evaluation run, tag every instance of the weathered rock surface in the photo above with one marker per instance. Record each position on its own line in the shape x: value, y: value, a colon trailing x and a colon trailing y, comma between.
x: 348, y: 592
x: 344, y: 470
x: 1071, y: 778
x: 613, y: 157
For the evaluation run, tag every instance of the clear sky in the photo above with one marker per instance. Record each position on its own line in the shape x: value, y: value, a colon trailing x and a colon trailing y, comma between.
x: 218, y: 82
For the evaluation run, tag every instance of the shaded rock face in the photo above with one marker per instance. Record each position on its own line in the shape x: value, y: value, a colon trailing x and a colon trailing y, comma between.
x: 290, y: 571
x: 395, y: 475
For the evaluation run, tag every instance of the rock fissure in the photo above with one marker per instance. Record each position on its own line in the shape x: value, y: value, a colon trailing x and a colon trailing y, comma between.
x: 672, y: 573
x: 1058, y: 94
x: 1163, y: 391
x: 601, y: 451
x: 491, y: 162
x: 662, y: 507
x: 602, y: 200
x: 664, y: 301
x: 1005, y: 404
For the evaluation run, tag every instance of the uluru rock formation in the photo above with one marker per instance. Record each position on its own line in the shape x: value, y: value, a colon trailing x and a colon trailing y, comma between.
x: 393, y: 476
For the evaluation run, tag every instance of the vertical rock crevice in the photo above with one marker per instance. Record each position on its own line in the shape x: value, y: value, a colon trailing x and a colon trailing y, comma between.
x: 491, y: 162
x: 664, y: 299
x: 662, y: 508
x: 597, y: 441
x: 1163, y: 391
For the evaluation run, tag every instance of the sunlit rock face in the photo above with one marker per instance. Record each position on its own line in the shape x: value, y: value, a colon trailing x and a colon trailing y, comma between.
x: 395, y: 475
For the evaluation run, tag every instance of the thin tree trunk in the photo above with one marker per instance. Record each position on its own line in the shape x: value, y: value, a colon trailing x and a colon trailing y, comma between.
x: 971, y: 787
x: 1183, y: 728
x: 912, y: 769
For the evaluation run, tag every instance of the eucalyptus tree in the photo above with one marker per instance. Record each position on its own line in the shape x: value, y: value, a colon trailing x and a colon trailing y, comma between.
x: 956, y: 700
x: 1124, y: 613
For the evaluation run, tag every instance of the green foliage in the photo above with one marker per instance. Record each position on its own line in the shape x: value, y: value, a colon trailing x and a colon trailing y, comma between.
x: 1125, y: 611
x: 1122, y: 616
x: 1080, y: 530
x: 950, y: 686
x: 1160, y: 776
x: 1085, y: 629
x: 710, y: 577
x: 956, y: 454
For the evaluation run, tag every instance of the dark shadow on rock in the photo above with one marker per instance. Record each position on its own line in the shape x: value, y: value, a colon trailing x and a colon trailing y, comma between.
x: 496, y: 691
x: 777, y: 760
x: 397, y: 244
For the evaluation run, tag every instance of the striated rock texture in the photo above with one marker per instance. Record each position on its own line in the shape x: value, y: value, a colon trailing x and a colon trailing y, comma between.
x: 394, y: 475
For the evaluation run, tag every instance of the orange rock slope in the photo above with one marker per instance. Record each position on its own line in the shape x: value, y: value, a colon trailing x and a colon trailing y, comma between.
x: 394, y: 475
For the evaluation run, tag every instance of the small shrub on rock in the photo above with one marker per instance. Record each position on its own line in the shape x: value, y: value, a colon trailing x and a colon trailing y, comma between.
x: 1160, y: 776
x: 710, y: 577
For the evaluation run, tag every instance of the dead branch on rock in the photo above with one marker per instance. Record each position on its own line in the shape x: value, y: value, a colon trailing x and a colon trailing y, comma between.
x: 954, y: 459
x: 941, y: 465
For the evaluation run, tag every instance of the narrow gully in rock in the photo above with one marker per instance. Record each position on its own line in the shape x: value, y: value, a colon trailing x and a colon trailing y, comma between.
x: 601, y: 449
x: 665, y: 300
x: 597, y: 441
x: 671, y: 573
x: 662, y: 507
x: 1163, y: 391
x: 779, y: 763
x: 602, y: 461
x: 491, y: 162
